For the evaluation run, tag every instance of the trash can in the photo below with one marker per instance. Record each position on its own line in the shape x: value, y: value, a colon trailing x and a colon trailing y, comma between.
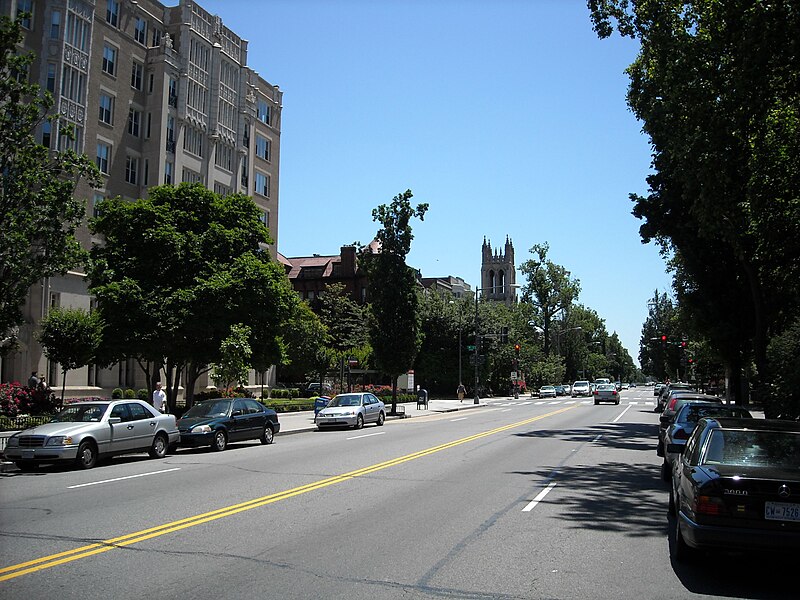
x: 320, y: 403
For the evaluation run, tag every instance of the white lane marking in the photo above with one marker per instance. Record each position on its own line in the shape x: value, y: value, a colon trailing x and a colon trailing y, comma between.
x: 556, y: 402
x: 622, y: 413
x: 506, y: 410
x: 586, y: 401
x: 538, y: 403
x: 72, y: 487
x: 524, y: 403
x: 366, y: 435
x: 539, y: 497
x: 465, y: 418
x: 570, y: 402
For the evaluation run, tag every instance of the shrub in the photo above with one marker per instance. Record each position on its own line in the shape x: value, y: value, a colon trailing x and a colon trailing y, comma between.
x: 130, y: 394
x: 15, y: 399
x: 142, y: 394
x: 116, y: 394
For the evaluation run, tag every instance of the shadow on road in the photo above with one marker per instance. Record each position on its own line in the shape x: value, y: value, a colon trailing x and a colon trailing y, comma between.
x: 622, y: 436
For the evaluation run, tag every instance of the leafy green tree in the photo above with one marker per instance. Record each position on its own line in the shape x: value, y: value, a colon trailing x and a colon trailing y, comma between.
x: 234, y: 358
x: 38, y: 212
x: 441, y: 316
x: 70, y: 337
x: 394, y: 327
x: 306, y: 338
x: 177, y: 270
x: 550, y: 289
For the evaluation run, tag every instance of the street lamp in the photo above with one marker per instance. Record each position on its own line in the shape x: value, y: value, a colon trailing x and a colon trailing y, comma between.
x: 558, y: 337
x: 477, y: 293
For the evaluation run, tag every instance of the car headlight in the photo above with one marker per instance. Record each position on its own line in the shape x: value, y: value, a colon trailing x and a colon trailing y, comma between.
x: 59, y: 440
x: 13, y: 442
x: 201, y: 429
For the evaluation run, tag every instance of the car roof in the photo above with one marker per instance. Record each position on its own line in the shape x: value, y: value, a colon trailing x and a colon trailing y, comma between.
x: 756, y: 424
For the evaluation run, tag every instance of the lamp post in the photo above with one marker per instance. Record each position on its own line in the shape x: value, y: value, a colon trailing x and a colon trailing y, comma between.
x: 558, y: 337
x: 477, y: 336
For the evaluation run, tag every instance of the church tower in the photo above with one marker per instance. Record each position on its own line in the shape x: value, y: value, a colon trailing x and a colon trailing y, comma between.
x: 498, y: 273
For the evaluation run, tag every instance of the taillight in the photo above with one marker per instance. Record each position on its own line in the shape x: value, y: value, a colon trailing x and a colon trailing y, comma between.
x: 680, y: 434
x: 614, y: 393
x: 595, y: 392
x: 708, y: 505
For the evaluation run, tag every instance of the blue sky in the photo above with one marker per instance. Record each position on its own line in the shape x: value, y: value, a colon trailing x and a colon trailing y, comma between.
x: 507, y: 116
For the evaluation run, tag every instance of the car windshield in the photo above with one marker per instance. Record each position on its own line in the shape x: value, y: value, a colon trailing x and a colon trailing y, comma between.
x: 605, y: 387
x: 753, y: 448
x: 346, y: 400
x: 212, y: 408
x: 692, y: 413
x: 82, y: 413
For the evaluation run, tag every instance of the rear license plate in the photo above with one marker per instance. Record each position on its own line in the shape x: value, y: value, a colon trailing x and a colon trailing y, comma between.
x: 781, y: 511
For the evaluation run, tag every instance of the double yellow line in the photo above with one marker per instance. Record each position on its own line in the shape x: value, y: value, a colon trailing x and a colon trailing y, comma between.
x: 53, y: 560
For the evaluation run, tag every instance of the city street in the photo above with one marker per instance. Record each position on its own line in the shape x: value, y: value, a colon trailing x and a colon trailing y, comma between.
x: 521, y: 498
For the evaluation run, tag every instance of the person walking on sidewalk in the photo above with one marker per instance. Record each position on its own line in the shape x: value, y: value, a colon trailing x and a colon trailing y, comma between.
x: 159, y: 398
x: 461, y: 391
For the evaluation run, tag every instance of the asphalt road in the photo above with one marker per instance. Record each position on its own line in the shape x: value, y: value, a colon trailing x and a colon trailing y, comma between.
x: 518, y: 499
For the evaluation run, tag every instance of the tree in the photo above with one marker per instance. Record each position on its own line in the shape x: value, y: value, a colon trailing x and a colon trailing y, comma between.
x: 550, y: 289
x: 306, y: 338
x: 441, y: 316
x: 177, y: 270
x: 716, y: 86
x: 394, y: 327
x: 38, y: 212
x: 234, y: 357
x: 70, y: 337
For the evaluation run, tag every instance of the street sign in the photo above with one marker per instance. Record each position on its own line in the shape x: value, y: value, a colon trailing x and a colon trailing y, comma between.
x: 513, y: 375
x: 471, y: 348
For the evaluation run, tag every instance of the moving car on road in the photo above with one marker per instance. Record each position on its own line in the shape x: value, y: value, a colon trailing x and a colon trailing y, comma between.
x: 84, y: 432
x: 737, y: 487
x: 220, y: 421
x: 606, y: 392
x: 581, y: 388
x: 547, y: 391
x: 352, y: 410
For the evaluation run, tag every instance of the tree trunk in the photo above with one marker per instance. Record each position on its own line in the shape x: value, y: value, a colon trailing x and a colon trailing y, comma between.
x: 394, y: 395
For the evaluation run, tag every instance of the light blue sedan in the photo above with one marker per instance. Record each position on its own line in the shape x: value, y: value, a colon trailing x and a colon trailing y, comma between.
x: 352, y: 410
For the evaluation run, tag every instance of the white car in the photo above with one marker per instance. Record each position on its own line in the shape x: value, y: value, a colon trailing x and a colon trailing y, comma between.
x: 547, y: 391
x: 581, y: 388
x: 352, y: 410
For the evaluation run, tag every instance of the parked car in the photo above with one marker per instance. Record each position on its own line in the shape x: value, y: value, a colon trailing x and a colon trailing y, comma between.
x: 676, y: 402
x: 352, y: 410
x: 737, y: 487
x: 313, y: 388
x: 560, y: 391
x: 669, y: 387
x: 606, y: 392
x: 684, y: 423
x: 220, y: 421
x: 657, y: 389
x: 84, y: 432
x: 581, y: 388
x: 547, y: 391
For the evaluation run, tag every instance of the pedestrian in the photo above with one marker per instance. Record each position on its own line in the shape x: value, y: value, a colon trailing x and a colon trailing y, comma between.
x: 33, y: 381
x: 461, y: 391
x: 159, y: 398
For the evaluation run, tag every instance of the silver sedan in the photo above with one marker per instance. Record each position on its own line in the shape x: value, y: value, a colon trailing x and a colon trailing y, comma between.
x: 352, y: 410
x: 86, y: 431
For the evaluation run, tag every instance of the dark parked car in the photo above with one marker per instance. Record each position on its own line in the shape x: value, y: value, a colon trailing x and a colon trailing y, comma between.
x: 84, y: 432
x: 221, y: 421
x: 668, y: 416
x: 737, y: 487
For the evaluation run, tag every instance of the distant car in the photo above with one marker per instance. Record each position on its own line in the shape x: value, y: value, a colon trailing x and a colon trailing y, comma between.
x: 84, y: 432
x: 314, y: 388
x: 581, y: 388
x: 567, y: 389
x: 626, y: 386
x: 221, y: 421
x: 352, y: 410
x: 670, y: 387
x: 684, y: 423
x: 547, y: 391
x: 560, y: 391
x: 606, y: 392
x: 736, y: 487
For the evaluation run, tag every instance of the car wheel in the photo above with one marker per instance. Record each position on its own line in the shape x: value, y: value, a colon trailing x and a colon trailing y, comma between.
x: 159, y: 447
x: 87, y: 455
x: 682, y: 552
x: 220, y: 441
x: 666, y: 473
x: 26, y: 466
x: 359, y: 422
x: 268, y: 436
x: 381, y: 418
x: 617, y: 402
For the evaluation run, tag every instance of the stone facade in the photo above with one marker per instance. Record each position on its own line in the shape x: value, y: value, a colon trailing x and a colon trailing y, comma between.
x: 498, y: 273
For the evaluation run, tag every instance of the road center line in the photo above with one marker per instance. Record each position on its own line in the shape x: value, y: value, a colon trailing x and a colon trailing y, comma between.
x: 80, y: 485
x: 465, y: 418
x: 60, y: 558
x: 539, y: 497
x: 358, y: 437
x: 622, y: 413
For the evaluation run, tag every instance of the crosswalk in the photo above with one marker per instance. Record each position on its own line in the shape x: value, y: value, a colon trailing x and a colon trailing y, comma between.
x: 549, y: 402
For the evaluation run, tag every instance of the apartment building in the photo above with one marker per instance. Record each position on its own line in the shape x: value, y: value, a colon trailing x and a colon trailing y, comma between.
x: 155, y: 94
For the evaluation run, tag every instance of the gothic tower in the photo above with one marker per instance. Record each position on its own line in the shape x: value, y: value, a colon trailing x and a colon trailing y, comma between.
x: 498, y: 273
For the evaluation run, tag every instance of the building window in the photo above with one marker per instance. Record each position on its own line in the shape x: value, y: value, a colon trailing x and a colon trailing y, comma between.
x: 76, y: 32
x: 224, y: 157
x: 262, y: 112
x: 140, y: 31
x: 106, y: 109
x: 263, y: 147
x: 265, y: 218
x: 220, y: 189
x: 169, y: 172
x: 25, y: 6
x: 47, y: 129
x: 51, y: 78
x: 170, y: 134
x: 103, y: 157
x: 149, y: 125
x: 73, y: 84
x: 55, y: 24
x: 146, y: 174
x: 134, y: 122
x: 190, y: 176
x: 132, y: 170
x: 156, y: 36
x: 262, y: 184
x: 193, y: 141
x: 173, y: 93
x: 137, y: 70
x: 110, y: 60
x: 98, y: 198
x: 112, y: 12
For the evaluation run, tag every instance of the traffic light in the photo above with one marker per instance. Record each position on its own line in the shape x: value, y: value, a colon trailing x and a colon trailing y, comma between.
x: 683, y: 344
x: 664, y: 339
x: 516, y: 348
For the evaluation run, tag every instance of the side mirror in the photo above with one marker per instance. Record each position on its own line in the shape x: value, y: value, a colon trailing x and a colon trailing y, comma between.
x: 237, y: 413
x: 676, y: 448
x: 114, y: 420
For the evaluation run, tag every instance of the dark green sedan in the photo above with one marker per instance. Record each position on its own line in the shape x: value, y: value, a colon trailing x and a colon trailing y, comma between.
x: 221, y: 421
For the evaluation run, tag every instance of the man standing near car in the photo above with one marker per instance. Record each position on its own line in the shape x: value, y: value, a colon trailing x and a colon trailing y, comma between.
x: 159, y: 398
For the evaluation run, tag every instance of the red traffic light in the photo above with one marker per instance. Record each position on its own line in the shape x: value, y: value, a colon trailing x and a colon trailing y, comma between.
x: 516, y: 347
x: 663, y: 338
x: 683, y: 344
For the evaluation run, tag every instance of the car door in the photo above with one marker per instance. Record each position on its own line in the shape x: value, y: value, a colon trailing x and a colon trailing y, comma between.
x: 240, y: 423
x: 122, y: 433
x: 257, y: 418
x: 144, y: 427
